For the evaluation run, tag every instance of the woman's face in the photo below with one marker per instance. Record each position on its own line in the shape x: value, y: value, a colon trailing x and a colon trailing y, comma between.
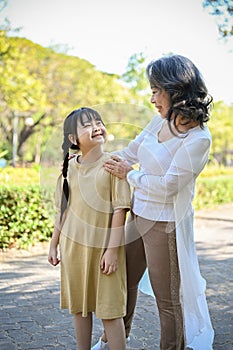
x: 161, y: 100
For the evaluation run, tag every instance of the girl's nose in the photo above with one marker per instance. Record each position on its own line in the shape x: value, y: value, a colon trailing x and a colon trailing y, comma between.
x: 95, y: 127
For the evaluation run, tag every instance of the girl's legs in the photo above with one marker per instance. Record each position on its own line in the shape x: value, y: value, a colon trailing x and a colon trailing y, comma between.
x: 135, y: 267
x: 162, y: 262
x: 83, y: 330
x: 115, y: 333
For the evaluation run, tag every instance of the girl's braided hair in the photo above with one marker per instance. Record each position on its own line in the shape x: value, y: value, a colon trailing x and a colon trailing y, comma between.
x: 181, y: 79
x: 70, y: 128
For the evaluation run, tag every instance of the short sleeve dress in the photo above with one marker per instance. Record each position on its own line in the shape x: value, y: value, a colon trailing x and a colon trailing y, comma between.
x: 94, y: 195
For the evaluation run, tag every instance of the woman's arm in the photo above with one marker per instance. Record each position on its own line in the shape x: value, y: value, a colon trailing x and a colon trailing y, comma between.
x: 109, y: 261
x: 129, y: 153
x: 186, y: 165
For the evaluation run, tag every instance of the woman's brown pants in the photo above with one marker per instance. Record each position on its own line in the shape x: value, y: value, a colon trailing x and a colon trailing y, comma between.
x: 153, y: 244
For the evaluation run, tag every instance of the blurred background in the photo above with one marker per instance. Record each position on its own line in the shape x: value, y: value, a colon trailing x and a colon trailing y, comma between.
x: 58, y: 55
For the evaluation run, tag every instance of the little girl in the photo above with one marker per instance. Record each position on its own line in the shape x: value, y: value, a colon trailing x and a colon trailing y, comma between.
x: 89, y: 229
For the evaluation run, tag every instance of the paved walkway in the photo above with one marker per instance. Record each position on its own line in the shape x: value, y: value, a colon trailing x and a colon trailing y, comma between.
x: 30, y: 317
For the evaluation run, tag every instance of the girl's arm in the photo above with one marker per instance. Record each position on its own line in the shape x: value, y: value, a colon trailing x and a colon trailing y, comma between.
x: 53, y: 254
x: 109, y: 261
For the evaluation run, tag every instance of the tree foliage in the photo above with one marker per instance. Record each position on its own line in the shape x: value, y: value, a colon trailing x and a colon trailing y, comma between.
x: 135, y: 77
x: 223, y: 10
x: 221, y: 127
x: 45, y: 85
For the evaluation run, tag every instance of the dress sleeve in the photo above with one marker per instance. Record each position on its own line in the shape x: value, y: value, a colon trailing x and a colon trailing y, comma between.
x: 121, y: 195
x: 186, y: 165
x: 129, y: 153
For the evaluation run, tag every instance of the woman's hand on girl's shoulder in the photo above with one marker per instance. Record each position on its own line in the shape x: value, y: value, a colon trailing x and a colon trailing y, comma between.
x: 118, y: 167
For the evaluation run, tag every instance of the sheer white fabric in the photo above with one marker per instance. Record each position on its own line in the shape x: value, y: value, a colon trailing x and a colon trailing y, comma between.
x: 163, y: 190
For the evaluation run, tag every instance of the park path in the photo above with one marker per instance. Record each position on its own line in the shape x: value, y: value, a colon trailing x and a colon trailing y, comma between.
x: 30, y: 316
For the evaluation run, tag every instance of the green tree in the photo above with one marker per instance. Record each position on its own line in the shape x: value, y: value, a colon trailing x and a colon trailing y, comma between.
x: 45, y: 85
x: 135, y: 78
x: 3, y: 4
x: 223, y: 10
x: 221, y: 126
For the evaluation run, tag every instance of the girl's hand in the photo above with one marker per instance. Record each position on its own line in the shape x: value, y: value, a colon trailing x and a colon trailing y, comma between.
x: 117, y: 167
x: 109, y: 261
x: 52, y: 257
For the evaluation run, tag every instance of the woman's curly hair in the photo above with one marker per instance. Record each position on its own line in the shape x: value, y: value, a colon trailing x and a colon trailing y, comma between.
x: 183, y: 82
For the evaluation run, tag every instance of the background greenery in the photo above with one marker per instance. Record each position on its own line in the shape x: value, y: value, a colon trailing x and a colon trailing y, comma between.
x: 27, y: 211
x: 45, y: 84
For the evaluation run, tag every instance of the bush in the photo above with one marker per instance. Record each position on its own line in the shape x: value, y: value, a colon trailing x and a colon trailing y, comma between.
x: 27, y: 212
x: 19, y: 176
x: 213, y: 191
x: 216, y: 171
x: 24, y: 218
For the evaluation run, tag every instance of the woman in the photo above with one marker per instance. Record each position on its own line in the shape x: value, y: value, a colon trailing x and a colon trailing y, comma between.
x: 171, y: 151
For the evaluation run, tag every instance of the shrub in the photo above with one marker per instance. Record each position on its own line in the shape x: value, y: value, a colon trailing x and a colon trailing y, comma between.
x: 27, y: 211
x: 19, y: 176
x: 214, y: 171
x: 213, y: 191
x: 24, y: 218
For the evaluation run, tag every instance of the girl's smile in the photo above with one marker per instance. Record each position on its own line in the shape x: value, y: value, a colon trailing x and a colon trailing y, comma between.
x: 89, y: 131
x: 91, y: 136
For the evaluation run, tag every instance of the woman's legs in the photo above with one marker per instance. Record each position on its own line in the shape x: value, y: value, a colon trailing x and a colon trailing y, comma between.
x: 162, y: 262
x: 83, y: 330
x: 115, y: 333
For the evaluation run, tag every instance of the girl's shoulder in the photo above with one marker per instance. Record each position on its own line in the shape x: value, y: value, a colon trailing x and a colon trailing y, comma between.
x: 106, y: 156
x: 73, y: 161
x: 73, y: 165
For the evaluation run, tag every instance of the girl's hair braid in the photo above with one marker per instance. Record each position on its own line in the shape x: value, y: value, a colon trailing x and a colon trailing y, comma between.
x: 65, y: 188
x: 70, y: 127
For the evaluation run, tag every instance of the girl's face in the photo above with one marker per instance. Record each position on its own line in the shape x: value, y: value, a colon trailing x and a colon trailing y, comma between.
x: 161, y: 99
x: 90, y: 133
